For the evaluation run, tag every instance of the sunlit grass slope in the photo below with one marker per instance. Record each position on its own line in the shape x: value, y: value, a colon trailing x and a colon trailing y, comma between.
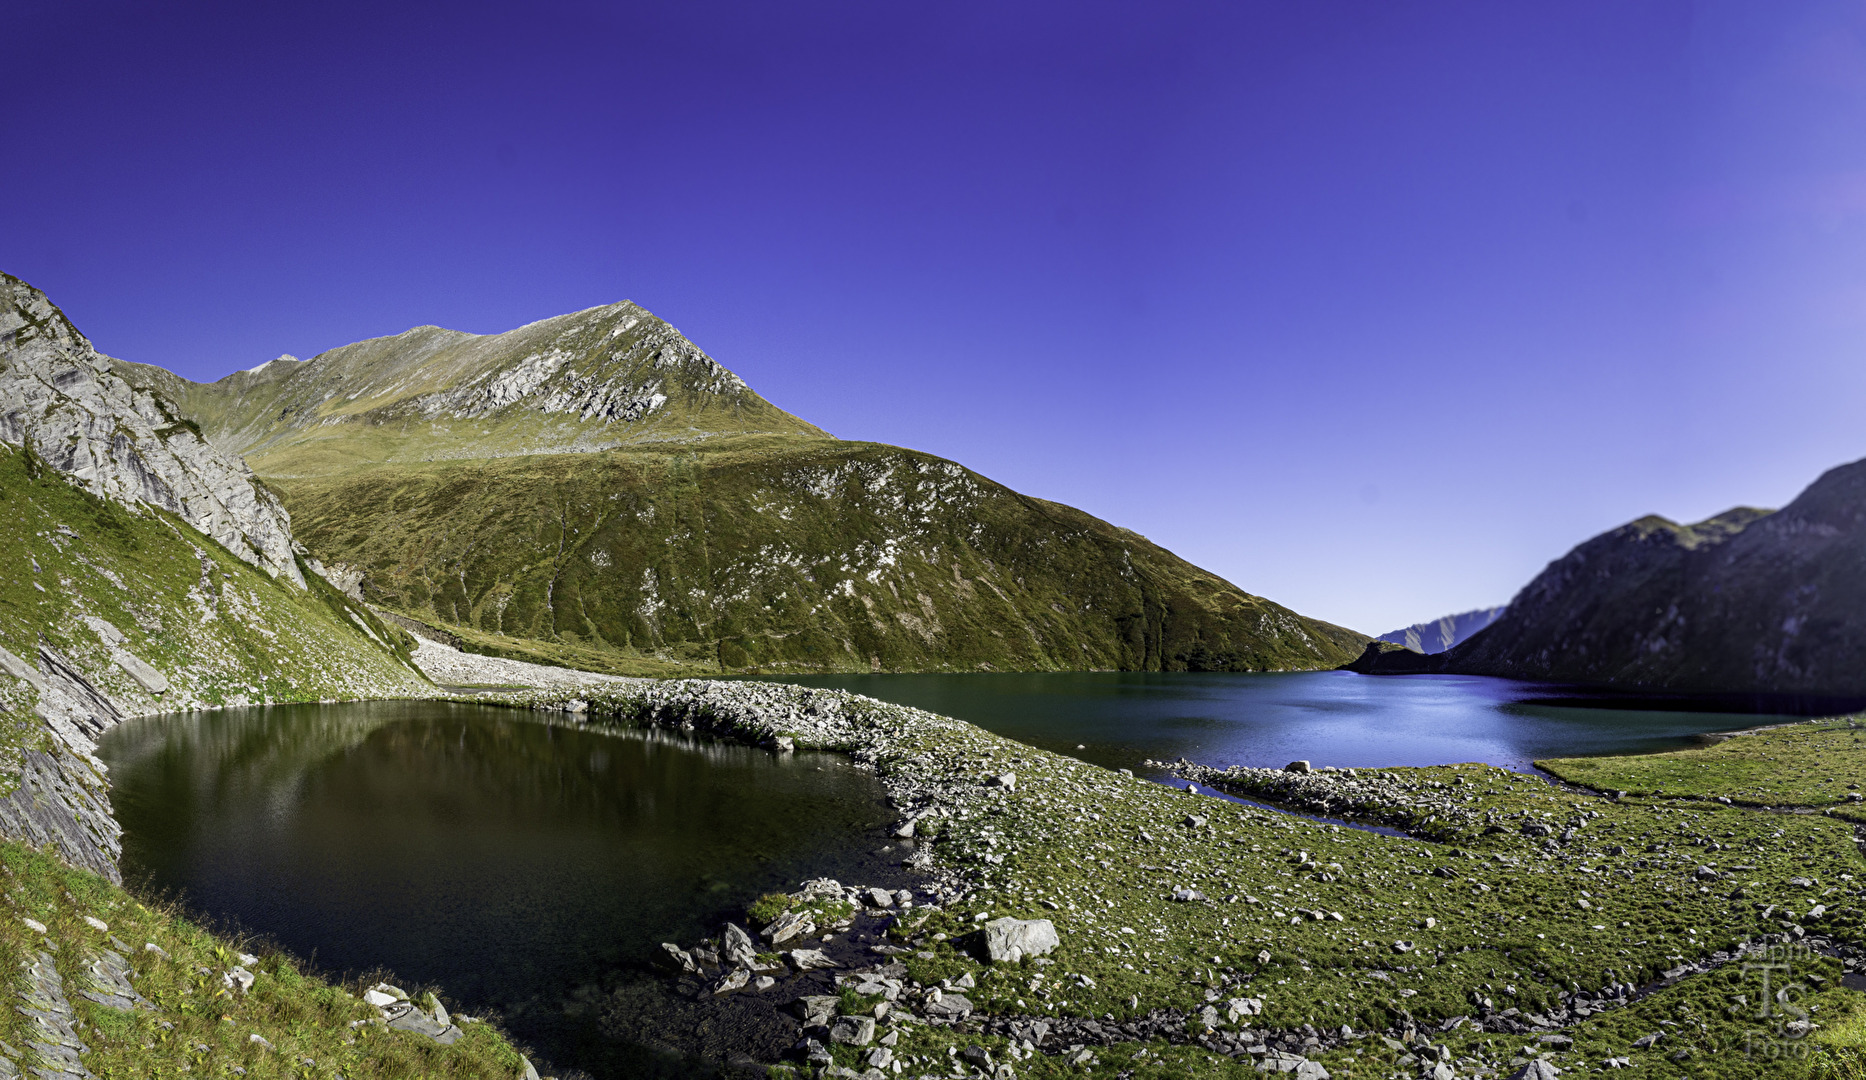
x: 785, y: 554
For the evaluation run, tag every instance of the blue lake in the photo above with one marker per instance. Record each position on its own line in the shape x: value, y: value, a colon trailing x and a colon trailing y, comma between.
x: 1327, y: 717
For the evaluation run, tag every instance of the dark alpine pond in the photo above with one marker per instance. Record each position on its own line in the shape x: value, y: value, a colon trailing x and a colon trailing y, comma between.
x: 521, y: 867
x: 532, y: 869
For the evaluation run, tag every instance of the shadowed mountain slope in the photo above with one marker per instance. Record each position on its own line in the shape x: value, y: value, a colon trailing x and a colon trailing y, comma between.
x: 1746, y: 602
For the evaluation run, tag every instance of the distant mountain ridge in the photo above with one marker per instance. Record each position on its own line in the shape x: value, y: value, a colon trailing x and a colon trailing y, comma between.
x: 1750, y: 601
x: 595, y: 490
x: 1444, y: 632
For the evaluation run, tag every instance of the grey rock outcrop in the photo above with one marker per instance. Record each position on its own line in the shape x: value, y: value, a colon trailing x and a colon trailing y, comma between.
x: 60, y: 398
x: 1009, y: 940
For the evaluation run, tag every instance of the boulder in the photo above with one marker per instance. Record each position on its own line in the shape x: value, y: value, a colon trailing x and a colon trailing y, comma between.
x: 1009, y: 939
x: 413, y: 1019
x: 681, y: 960
x: 1298, y: 767
x: 732, y: 980
x: 739, y: 948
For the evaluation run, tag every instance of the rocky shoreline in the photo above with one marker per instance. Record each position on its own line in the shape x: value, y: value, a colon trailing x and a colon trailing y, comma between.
x: 896, y: 977
x: 964, y: 783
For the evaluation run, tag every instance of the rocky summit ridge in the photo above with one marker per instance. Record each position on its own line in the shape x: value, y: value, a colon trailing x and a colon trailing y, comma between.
x: 596, y: 379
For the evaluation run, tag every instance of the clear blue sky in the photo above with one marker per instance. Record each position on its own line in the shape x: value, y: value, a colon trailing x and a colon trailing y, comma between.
x: 1373, y: 308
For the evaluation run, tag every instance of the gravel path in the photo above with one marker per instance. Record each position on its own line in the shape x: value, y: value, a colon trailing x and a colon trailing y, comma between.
x: 451, y: 667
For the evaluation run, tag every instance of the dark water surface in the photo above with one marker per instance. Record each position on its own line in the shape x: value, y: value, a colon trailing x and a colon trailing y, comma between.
x: 533, y: 869
x: 1268, y: 720
x: 522, y: 867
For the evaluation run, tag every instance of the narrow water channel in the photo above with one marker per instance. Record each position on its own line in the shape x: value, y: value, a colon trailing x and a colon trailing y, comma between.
x: 523, y: 868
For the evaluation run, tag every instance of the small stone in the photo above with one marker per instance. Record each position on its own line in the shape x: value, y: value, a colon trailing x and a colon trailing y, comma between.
x: 238, y: 977
x: 880, y: 898
x: 817, y: 1010
x: 949, y: 1006
x: 378, y: 998
x: 732, y: 980
x: 34, y: 925
x: 789, y: 925
x: 853, y: 1030
x: 1536, y: 1070
x: 1188, y: 896
x: 1298, y: 767
x: 150, y: 946
x: 97, y: 924
x: 810, y: 959
x: 259, y: 1039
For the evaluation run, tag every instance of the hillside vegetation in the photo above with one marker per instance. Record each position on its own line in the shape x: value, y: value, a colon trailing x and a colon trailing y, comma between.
x: 782, y: 554
x: 594, y: 491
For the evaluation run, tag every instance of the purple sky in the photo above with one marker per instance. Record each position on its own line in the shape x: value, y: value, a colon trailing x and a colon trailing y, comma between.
x: 1373, y: 308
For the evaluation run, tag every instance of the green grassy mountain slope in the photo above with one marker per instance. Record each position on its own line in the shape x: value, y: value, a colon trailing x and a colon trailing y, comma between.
x: 595, y: 491
x: 785, y: 555
x: 608, y: 376
x: 1745, y: 602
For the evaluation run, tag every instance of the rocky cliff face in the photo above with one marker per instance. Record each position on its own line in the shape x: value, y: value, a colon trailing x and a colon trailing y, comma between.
x: 1442, y: 633
x: 112, y: 606
x: 1745, y: 602
x: 60, y: 398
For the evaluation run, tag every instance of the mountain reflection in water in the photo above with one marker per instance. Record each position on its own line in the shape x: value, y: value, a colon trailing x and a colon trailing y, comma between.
x: 520, y: 866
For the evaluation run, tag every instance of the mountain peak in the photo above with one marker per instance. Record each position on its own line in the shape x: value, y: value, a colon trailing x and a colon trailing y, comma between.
x: 605, y: 377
